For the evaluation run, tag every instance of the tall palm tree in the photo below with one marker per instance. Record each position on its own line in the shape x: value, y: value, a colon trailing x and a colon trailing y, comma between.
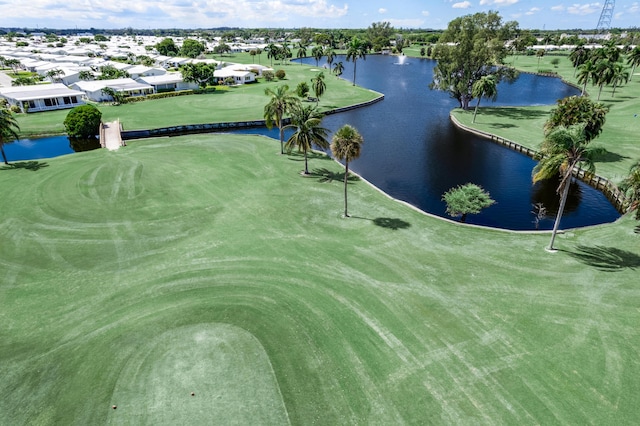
x: 306, y: 121
x: 486, y: 87
x: 619, y: 76
x: 317, y: 53
x: 319, y: 86
x: 631, y: 187
x: 272, y: 52
x: 346, y: 146
x: 8, y: 130
x: 338, y: 68
x: 302, y: 52
x: 355, y: 51
x: 634, y: 59
x: 578, y: 56
x: 331, y: 55
x: 604, y: 74
x: 280, y: 103
x: 586, y: 74
x: 562, y: 150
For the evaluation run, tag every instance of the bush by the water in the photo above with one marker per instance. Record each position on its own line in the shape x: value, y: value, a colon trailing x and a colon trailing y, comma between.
x: 83, y: 121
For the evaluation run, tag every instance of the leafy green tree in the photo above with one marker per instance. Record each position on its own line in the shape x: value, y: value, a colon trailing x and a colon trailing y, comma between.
x: 306, y: 122
x: 379, y: 35
x: 109, y: 72
x: 268, y: 75
x: 281, y: 74
x: 192, y: 48
x: 302, y: 90
x: 200, y: 73
x: 86, y: 75
x: 83, y: 121
x: 280, y: 103
x: 466, y: 199
x: 346, y: 145
x: 8, y: 130
x: 55, y: 74
x: 24, y: 81
x: 574, y: 110
x: 485, y: 87
x: 116, y: 96
x: 631, y: 188
x: 355, y: 51
x: 563, y: 150
x: 221, y: 49
x: 319, y: 86
x: 470, y: 47
x: 540, y: 53
x: 167, y: 47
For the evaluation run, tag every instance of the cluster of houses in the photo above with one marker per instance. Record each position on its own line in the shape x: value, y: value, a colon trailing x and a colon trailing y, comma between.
x: 62, y: 68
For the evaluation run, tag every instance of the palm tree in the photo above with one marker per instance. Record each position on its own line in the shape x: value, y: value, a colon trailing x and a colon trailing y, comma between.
x: 8, y: 130
x: 317, y: 53
x: 338, y: 68
x: 346, y: 145
x: 561, y: 152
x: 619, y: 76
x: 634, y: 59
x: 586, y: 74
x: 604, y: 74
x: 319, y: 86
x: 302, y: 51
x: 578, y: 56
x: 282, y: 101
x: 272, y: 52
x: 631, y: 187
x: 486, y: 87
x: 355, y: 51
x: 331, y: 55
x: 308, y: 132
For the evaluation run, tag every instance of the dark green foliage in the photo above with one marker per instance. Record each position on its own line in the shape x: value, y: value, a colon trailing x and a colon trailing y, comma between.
x: 280, y: 74
x: 576, y: 110
x: 191, y: 48
x: 200, y: 73
x: 631, y: 187
x: 268, y: 75
x: 167, y: 47
x: 466, y: 199
x: 83, y: 121
x: 109, y: 72
x: 302, y: 90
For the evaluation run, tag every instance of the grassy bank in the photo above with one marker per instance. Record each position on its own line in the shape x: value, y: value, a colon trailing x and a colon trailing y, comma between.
x: 620, y: 136
x: 207, y: 264
x: 238, y: 103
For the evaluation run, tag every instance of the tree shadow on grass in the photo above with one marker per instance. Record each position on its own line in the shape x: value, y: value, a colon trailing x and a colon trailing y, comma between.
x: 609, y: 259
x: 610, y: 157
x: 325, y: 175
x: 34, y: 166
x: 637, y: 229
x: 391, y: 223
x: 502, y: 126
x: 515, y: 113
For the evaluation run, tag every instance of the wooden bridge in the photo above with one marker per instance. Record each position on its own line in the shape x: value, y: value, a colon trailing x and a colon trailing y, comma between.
x: 111, y: 135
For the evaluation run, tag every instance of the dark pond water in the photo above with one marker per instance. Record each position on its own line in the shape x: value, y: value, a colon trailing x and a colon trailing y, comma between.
x: 414, y: 153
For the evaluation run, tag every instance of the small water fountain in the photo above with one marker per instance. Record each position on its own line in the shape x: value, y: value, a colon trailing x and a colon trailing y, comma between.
x: 402, y: 60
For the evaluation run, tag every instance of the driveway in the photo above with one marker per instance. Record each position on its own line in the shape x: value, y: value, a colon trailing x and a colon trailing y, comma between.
x: 5, y: 80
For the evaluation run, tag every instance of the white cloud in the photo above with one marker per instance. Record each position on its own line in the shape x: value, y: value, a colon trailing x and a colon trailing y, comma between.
x: 584, y: 9
x: 635, y: 7
x: 382, y: 10
x: 462, y: 5
x: 558, y: 8
x: 406, y: 23
x: 533, y: 11
x: 498, y: 2
x: 425, y: 13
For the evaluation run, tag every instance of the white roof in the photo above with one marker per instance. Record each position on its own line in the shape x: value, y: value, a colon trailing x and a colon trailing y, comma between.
x: 119, y: 84
x: 172, y: 77
x: 40, y: 91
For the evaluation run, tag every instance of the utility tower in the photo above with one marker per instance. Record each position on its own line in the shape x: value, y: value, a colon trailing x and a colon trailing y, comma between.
x: 604, y: 23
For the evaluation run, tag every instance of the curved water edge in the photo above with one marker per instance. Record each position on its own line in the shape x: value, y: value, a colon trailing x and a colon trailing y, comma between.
x: 414, y: 153
x: 604, y: 185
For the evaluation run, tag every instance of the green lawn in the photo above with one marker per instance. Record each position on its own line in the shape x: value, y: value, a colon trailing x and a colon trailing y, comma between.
x: 207, y: 264
x: 621, y: 134
x: 240, y: 103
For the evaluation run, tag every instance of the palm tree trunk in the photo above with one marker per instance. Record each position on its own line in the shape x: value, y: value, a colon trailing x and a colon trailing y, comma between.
x: 4, y: 156
x: 613, y: 93
x: 600, y: 91
x: 281, y: 139
x: 354, y: 71
x: 346, y: 177
x: 563, y: 201
x: 584, y: 88
x: 306, y: 167
x: 476, y: 110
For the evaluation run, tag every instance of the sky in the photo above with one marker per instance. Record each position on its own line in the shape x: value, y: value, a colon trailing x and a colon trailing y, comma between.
x: 433, y: 14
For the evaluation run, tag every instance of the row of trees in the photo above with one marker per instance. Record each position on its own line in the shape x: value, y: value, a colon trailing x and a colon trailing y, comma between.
x: 306, y: 123
x: 603, y: 66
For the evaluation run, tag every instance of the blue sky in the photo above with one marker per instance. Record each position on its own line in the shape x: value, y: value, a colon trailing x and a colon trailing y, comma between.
x: 549, y: 14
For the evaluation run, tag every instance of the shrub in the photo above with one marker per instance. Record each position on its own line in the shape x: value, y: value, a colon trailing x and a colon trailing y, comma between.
x: 268, y: 75
x: 15, y: 108
x: 281, y: 74
x: 302, y: 90
x: 83, y: 121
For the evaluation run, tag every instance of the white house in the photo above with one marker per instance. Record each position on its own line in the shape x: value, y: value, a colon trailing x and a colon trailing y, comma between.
x: 42, y: 97
x: 168, y: 82
x: 143, y: 71
x: 127, y: 86
x: 237, y: 72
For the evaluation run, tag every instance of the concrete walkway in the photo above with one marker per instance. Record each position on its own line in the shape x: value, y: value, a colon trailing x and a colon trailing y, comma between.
x: 110, y: 136
x: 5, y: 80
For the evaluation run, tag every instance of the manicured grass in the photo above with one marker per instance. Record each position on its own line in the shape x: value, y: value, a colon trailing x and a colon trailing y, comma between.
x: 241, y: 103
x: 207, y: 264
x: 620, y: 136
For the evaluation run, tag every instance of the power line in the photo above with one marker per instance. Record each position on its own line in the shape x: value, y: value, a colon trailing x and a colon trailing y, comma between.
x: 604, y: 23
